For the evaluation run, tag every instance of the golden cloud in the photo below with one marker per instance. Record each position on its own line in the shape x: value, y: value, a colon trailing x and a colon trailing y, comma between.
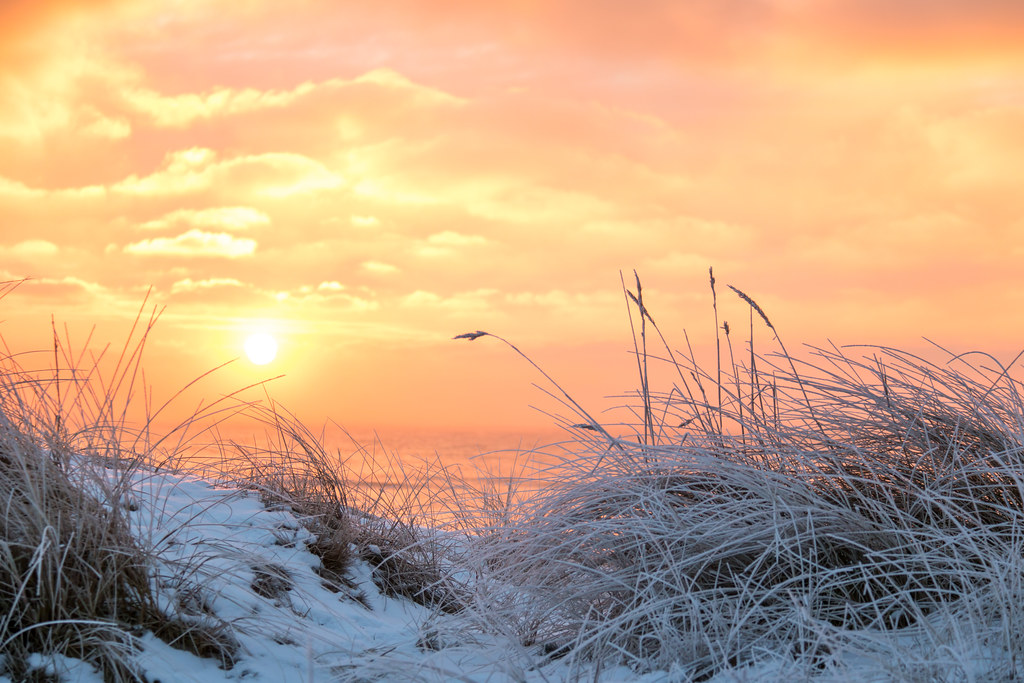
x: 225, y: 218
x: 330, y: 293
x: 446, y: 243
x: 421, y: 298
x: 449, y: 238
x: 365, y: 221
x: 18, y: 190
x: 583, y: 150
x: 180, y: 111
x: 195, y: 242
x: 560, y: 299
x: 68, y: 288
x: 475, y: 300
x: 379, y: 267
x: 196, y: 169
x: 32, y: 249
x: 190, y: 285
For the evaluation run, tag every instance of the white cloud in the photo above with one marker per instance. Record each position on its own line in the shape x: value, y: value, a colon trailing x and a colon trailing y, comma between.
x: 194, y: 243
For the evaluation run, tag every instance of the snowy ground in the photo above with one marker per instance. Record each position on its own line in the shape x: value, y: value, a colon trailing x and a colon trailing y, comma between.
x: 245, y: 568
x: 251, y: 573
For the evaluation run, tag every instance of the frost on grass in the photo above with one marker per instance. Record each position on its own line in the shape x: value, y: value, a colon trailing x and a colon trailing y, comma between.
x: 842, y: 517
x: 813, y: 514
x: 70, y: 573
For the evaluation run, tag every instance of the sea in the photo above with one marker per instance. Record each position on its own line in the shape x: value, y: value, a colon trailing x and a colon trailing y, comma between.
x: 405, y: 472
x: 440, y: 468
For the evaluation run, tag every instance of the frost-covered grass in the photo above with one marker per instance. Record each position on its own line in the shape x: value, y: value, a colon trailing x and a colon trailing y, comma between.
x: 851, y: 514
x: 814, y: 516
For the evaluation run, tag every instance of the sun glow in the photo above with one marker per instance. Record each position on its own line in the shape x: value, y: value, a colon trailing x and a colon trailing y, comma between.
x: 260, y: 348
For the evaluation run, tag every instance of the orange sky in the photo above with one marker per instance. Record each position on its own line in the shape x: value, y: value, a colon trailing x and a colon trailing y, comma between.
x: 367, y: 179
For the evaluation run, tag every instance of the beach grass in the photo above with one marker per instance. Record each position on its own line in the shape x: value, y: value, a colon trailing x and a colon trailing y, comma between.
x: 792, y: 516
x: 854, y: 503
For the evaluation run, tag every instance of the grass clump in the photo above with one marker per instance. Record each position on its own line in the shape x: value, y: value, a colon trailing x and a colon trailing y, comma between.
x: 75, y: 581
x: 803, y: 511
x: 72, y: 579
x: 366, y: 506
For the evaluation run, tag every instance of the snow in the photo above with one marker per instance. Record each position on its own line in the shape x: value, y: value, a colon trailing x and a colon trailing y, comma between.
x: 219, y: 540
x: 215, y: 545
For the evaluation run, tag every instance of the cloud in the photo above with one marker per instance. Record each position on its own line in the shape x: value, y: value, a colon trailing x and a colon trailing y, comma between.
x: 54, y: 91
x: 224, y: 218
x: 421, y: 298
x: 536, y: 204
x: 179, y: 111
x: 65, y: 289
x: 18, y: 189
x: 971, y: 147
x: 394, y: 80
x: 195, y: 243
x: 561, y: 300
x: 184, y: 110
x: 216, y: 292
x: 514, y: 143
x: 449, y: 238
x: 97, y: 124
x: 29, y: 249
x: 190, y: 285
x: 446, y: 243
x: 197, y: 169
x: 332, y: 294
x: 365, y: 221
x: 475, y: 300
x: 379, y: 267
x: 182, y: 171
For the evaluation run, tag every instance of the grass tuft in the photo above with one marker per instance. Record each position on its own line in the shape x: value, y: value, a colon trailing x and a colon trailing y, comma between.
x: 71, y: 576
x: 820, y: 508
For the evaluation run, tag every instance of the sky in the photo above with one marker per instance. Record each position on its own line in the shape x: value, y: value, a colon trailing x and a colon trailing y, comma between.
x: 366, y: 180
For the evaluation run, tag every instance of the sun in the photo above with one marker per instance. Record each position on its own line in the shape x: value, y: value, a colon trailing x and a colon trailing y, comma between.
x: 260, y: 348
